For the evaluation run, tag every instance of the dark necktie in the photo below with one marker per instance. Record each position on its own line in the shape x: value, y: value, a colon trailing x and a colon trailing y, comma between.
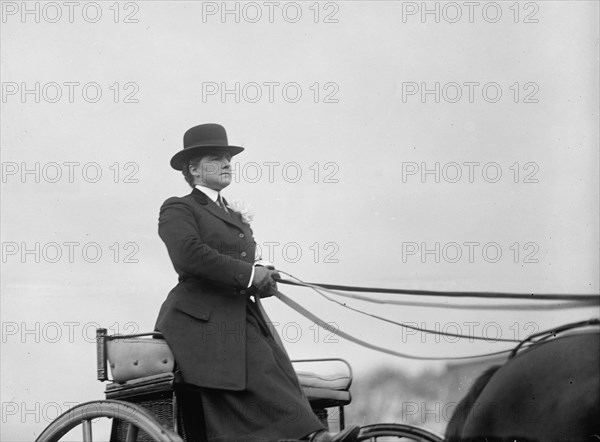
x: 221, y: 203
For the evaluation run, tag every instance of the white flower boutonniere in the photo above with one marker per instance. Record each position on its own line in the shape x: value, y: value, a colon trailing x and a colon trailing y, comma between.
x: 245, y: 210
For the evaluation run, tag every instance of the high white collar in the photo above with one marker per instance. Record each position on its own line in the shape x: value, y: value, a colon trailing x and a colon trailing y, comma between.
x: 211, y: 193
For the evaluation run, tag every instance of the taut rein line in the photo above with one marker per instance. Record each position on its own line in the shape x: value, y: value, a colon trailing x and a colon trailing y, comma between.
x: 339, y: 332
x: 496, y: 295
x: 401, y: 324
x: 544, y: 335
x: 573, y: 302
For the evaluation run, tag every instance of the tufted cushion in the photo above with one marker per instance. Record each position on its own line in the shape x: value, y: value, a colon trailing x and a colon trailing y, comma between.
x: 325, y: 385
x: 332, y: 381
x: 134, y: 358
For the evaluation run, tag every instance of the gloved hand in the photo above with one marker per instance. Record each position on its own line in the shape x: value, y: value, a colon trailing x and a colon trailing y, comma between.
x: 263, y: 281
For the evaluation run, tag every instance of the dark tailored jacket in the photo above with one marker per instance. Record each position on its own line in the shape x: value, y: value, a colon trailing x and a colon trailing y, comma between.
x: 203, y: 318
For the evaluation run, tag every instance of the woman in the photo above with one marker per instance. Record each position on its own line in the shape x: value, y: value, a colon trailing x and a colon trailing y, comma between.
x: 222, y: 344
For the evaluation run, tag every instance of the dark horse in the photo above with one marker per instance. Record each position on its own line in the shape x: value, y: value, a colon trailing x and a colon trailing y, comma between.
x: 548, y: 390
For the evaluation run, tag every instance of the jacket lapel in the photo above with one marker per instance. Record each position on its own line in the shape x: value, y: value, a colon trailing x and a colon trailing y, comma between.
x: 212, y: 207
x: 233, y: 214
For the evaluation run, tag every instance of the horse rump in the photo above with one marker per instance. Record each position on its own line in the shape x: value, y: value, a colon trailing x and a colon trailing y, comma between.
x: 459, y: 417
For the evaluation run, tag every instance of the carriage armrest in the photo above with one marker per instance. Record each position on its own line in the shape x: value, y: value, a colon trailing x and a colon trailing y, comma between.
x: 327, y: 384
x: 101, y: 354
x: 324, y: 373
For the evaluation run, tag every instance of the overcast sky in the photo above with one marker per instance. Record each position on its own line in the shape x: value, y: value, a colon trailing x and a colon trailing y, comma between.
x: 453, y: 148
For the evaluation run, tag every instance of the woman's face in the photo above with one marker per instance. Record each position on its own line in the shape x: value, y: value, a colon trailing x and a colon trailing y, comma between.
x: 213, y: 171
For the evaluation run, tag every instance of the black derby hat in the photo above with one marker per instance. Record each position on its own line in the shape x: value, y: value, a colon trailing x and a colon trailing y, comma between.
x: 201, y: 139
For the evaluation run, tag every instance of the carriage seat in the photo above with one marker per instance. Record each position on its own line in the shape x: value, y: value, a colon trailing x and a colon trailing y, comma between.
x: 138, y: 357
x: 143, y: 364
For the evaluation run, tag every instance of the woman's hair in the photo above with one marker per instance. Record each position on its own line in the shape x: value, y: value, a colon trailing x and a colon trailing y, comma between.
x: 186, y: 169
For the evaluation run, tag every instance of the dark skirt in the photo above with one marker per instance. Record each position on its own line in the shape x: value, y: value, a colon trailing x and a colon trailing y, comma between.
x: 272, y: 407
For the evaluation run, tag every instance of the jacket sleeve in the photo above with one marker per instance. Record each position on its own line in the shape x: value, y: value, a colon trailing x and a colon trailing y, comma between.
x: 177, y: 228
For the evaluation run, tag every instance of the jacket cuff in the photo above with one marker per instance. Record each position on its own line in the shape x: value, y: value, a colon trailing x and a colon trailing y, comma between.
x: 244, y: 274
x: 251, y: 278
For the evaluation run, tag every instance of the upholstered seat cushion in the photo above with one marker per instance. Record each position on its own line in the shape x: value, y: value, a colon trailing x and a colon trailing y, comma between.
x: 134, y: 358
x: 325, y: 385
x: 329, y: 381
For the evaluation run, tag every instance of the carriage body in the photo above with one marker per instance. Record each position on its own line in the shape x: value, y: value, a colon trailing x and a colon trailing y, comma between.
x: 147, y: 400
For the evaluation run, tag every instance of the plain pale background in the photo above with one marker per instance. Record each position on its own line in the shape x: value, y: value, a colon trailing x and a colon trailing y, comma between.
x: 360, y: 207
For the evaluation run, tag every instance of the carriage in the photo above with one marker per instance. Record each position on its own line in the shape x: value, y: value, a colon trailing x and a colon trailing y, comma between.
x: 147, y: 401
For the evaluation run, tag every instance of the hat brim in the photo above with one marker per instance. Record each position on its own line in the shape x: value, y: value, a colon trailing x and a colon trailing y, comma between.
x: 193, y: 151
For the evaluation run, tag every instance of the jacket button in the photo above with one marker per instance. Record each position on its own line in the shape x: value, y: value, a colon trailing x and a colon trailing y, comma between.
x: 242, y: 292
x: 241, y: 235
x: 243, y: 254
